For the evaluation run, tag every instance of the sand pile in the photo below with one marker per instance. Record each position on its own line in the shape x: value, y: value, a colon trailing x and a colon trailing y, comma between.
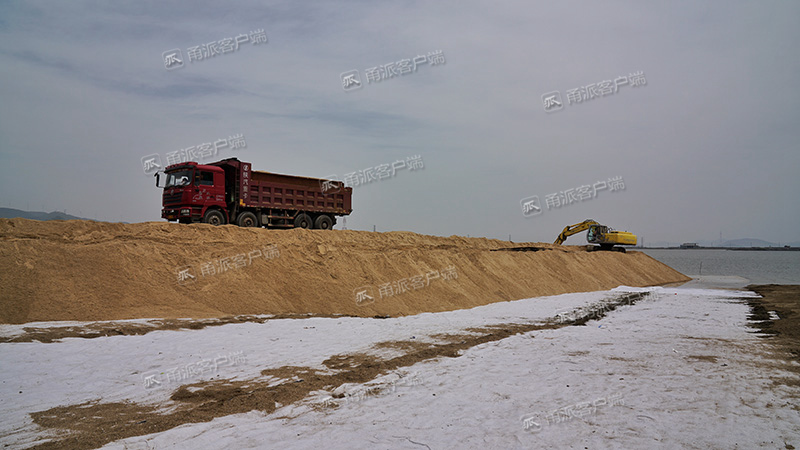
x: 80, y: 270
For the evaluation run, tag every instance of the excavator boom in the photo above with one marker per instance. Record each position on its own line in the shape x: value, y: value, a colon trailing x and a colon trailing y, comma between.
x: 574, y: 229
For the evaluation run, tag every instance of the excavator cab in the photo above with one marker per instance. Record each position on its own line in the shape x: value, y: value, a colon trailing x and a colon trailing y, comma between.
x: 590, y: 234
x: 596, y: 234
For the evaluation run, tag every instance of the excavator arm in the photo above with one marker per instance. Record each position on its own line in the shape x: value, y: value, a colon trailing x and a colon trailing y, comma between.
x: 574, y: 229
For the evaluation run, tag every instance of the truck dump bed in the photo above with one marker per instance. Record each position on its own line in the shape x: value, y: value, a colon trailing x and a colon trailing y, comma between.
x: 274, y: 190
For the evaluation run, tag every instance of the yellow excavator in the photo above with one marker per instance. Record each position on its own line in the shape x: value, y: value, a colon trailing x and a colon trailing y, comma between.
x: 598, y: 234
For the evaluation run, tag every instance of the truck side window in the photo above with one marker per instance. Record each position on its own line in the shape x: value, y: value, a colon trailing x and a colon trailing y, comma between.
x: 206, y: 178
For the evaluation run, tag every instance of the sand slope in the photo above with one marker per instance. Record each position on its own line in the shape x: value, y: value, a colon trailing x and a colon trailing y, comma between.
x: 81, y: 270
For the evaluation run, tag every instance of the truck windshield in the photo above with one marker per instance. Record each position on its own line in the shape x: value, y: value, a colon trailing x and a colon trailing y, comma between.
x: 179, y: 178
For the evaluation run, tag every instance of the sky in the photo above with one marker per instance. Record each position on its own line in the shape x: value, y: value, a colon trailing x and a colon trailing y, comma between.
x: 705, y: 145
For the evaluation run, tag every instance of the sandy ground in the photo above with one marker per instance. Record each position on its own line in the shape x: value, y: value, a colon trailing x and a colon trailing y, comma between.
x: 93, y: 271
x: 782, y: 301
x: 629, y: 368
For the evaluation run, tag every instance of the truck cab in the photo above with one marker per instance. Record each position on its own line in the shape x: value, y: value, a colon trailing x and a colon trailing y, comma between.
x: 190, y: 190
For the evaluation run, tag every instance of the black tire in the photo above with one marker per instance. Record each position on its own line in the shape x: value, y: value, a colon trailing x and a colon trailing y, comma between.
x: 323, y: 222
x: 247, y: 219
x: 303, y: 220
x: 214, y: 217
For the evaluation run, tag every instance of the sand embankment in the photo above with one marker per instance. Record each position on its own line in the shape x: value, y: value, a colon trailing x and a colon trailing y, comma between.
x: 81, y: 270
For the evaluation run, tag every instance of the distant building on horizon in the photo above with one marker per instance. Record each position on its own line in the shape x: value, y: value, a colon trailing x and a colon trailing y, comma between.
x: 689, y: 245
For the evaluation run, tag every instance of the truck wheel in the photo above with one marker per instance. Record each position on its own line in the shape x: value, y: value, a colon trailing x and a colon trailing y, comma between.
x: 214, y: 217
x: 302, y: 221
x: 247, y: 219
x: 323, y: 222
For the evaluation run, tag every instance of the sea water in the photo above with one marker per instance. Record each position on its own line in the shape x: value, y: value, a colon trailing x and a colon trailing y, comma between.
x: 759, y: 267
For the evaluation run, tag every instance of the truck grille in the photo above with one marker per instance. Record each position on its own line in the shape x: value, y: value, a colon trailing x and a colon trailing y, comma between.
x: 172, y: 199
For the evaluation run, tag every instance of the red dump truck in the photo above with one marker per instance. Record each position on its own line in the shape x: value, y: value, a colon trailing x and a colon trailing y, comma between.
x: 228, y: 191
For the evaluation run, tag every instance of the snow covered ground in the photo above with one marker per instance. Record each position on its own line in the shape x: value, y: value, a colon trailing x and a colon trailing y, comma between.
x: 679, y: 369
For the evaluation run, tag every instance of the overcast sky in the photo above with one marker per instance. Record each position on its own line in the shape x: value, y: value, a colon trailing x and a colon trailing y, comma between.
x: 708, y: 145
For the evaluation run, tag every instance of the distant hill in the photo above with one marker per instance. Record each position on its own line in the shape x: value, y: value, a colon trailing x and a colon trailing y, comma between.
x: 736, y: 243
x: 10, y: 213
x: 748, y: 242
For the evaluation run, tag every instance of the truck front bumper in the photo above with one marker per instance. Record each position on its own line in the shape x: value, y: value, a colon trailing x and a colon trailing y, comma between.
x: 181, y: 213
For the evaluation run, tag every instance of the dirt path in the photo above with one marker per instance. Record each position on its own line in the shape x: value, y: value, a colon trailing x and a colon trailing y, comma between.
x: 50, y: 334
x: 784, y: 301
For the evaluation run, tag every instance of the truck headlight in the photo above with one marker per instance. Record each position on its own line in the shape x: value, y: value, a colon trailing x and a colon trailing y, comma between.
x: 186, y: 211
